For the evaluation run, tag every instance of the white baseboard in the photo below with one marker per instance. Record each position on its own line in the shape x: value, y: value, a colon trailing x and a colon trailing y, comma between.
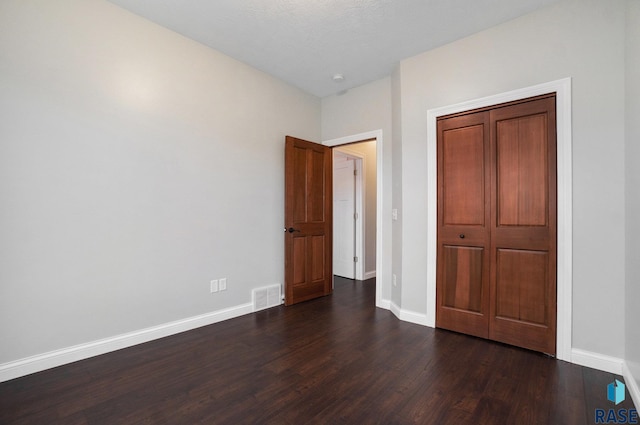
x: 632, y: 384
x: 40, y: 362
x: 386, y: 304
x: 597, y: 361
x: 409, y: 316
x: 369, y: 275
x: 394, y: 309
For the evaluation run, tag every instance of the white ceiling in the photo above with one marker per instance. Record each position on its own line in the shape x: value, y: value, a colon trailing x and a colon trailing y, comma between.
x: 306, y: 42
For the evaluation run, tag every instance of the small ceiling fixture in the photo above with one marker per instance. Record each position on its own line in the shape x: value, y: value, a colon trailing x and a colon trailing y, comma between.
x: 338, y: 78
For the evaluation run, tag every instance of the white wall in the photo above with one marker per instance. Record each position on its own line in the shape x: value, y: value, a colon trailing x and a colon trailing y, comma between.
x: 368, y: 150
x: 135, y: 166
x: 119, y: 140
x: 360, y: 110
x: 583, y: 40
x: 632, y: 155
x: 396, y: 113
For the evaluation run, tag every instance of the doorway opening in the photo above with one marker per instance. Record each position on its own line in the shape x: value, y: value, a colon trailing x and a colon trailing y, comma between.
x: 354, y: 210
x: 347, y: 215
x: 364, y: 150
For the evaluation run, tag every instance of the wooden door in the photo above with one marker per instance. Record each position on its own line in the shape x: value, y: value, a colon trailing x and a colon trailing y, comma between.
x: 523, y: 225
x: 308, y: 221
x: 496, y: 267
x: 462, y: 294
x: 344, y: 207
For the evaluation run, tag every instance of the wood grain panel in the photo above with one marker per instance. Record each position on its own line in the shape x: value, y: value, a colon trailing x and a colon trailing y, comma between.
x: 522, y: 163
x: 507, y: 173
x: 317, y: 257
x: 299, y: 185
x: 533, y: 202
x: 521, y: 283
x: 463, y: 175
x: 299, y: 260
x: 316, y: 186
x: 462, y: 280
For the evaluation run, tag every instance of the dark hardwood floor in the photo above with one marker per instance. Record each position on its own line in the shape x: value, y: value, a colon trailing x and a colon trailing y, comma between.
x: 334, y: 360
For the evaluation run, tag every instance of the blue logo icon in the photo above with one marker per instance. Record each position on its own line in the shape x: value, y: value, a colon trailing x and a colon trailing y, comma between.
x: 615, y: 392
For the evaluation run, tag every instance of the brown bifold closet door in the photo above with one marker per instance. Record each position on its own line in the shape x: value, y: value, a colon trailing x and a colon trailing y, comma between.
x: 462, y: 294
x: 523, y: 225
x: 501, y: 269
x: 308, y: 220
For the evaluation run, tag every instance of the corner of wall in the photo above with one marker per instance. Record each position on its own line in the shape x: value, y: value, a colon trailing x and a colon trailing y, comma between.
x: 396, y: 202
x: 632, y: 199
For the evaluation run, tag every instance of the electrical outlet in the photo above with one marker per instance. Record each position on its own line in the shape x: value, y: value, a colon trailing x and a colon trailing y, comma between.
x: 394, y: 214
x: 214, y: 285
x: 223, y: 284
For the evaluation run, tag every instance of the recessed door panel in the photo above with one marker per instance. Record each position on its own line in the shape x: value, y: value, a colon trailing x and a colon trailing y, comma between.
x: 316, y: 186
x: 522, y: 160
x: 521, y: 290
x: 462, y: 290
x: 299, y: 262
x: 462, y: 278
x: 317, y: 258
x: 463, y: 175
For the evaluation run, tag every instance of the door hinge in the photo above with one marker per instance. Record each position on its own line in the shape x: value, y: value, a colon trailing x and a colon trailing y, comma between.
x: 355, y: 172
x: 355, y: 259
x: 355, y: 216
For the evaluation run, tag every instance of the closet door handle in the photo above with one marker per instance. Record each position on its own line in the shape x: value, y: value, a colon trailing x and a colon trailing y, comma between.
x: 461, y: 235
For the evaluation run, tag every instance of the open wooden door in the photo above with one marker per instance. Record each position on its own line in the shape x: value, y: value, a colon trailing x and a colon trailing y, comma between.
x: 308, y: 221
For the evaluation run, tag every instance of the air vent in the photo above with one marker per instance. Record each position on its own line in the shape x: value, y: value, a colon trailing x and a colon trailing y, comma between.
x: 266, y: 297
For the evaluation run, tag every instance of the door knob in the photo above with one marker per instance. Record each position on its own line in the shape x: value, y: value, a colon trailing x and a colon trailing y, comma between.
x: 291, y: 230
x: 461, y: 235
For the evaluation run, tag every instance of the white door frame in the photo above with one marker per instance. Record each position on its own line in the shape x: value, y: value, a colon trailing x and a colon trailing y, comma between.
x: 381, y: 263
x: 562, y: 88
x: 358, y: 159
